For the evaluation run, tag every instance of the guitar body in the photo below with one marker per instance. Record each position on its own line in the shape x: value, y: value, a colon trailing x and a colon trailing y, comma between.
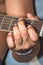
x: 3, y: 45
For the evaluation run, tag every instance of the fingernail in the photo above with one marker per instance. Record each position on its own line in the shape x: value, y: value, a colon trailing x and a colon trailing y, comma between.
x: 9, y: 34
x: 29, y: 26
x: 20, y: 19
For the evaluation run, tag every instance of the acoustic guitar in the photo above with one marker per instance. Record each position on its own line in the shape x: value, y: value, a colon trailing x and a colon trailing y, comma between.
x: 7, y: 23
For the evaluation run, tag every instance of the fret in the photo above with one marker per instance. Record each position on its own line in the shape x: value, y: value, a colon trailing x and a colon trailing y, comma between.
x: 14, y: 20
x: 11, y: 28
x: 10, y: 24
x: 2, y: 22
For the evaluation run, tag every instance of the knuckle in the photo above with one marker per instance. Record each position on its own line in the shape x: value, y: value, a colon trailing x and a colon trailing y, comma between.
x: 17, y: 37
x: 37, y: 37
x: 24, y: 32
x: 15, y: 27
x: 16, y: 33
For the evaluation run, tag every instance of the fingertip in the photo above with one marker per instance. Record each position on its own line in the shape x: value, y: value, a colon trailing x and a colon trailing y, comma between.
x: 20, y: 19
x: 30, y: 16
x: 32, y: 33
x: 9, y: 34
x: 29, y: 26
x: 9, y: 40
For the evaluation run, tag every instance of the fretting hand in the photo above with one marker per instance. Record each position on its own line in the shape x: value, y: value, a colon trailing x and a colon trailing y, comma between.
x: 22, y: 37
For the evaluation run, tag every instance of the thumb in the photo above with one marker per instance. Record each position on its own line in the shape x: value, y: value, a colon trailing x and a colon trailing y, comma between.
x: 32, y: 17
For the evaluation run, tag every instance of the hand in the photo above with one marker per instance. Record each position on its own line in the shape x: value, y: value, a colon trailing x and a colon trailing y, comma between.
x: 22, y: 37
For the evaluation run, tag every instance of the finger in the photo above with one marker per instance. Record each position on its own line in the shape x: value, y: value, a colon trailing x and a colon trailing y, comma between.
x: 30, y: 16
x: 23, y: 29
x: 32, y: 33
x: 17, y: 35
x: 10, y: 40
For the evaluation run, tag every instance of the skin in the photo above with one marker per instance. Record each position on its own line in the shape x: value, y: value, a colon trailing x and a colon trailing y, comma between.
x: 20, y: 31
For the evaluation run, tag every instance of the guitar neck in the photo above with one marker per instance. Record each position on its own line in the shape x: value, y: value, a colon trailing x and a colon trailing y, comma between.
x: 7, y: 23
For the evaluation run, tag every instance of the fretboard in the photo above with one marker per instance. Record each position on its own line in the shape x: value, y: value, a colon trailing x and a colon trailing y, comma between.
x: 7, y: 23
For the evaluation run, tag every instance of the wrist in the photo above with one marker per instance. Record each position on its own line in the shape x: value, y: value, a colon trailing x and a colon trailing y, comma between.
x: 28, y: 57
